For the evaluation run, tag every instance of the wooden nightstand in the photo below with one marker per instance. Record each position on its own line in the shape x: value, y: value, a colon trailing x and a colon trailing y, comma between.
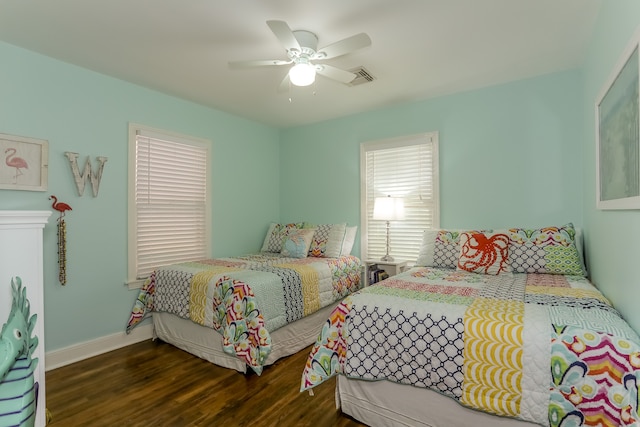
x: 390, y: 267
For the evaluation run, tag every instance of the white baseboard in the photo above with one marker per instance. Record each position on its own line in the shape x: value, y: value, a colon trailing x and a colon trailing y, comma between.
x: 65, y: 356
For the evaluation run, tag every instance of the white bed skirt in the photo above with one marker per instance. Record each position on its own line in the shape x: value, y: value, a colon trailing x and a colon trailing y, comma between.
x: 206, y: 343
x: 389, y: 404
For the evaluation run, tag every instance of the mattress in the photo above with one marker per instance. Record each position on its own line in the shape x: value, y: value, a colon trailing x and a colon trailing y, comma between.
x: 389, y: 404
x: 207, y: 343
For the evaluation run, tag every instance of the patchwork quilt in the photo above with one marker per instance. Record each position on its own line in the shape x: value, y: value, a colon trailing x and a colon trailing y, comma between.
x: 246, y: 298
x: 549, y: 349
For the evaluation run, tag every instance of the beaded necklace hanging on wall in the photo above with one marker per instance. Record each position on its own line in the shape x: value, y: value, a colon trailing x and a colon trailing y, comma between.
x: 62, y: 238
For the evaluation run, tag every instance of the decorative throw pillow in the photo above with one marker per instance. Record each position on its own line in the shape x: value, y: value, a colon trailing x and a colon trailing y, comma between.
x: 548, y: 250
x: 349, y: 240
x: 440, y: 248
x: 327, y: 240
x: 275, y: 236
x: 486, y: 253
x: 296, y: 242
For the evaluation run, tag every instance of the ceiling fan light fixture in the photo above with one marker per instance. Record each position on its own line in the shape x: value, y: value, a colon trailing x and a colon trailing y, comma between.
x: 303, y: 56
x: 302, y: 74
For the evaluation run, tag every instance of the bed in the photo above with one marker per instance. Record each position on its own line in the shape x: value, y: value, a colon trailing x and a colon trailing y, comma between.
x: 491, y: 328
x: 248, y: 311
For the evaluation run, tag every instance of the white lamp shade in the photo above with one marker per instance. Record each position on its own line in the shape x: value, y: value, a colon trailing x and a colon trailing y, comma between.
x: 388, y: 208
x: 302, y: 74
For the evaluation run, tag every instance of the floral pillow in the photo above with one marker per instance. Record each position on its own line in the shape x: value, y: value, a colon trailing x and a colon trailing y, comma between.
x: 275, y: 236
x: 485, y: 253
x: 548, y: 250
x: 327, y: 240
x: 296, y: 242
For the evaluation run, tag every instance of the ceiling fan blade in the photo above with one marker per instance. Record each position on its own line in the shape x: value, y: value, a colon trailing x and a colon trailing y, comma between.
x: 335, y: 73
x: 344, y: 46
x: 284, y: 34
x: 258, y: 63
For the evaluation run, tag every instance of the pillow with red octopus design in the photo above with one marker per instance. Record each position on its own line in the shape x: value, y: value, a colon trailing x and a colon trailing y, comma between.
x: 485, y: 253
x: 441, y: 247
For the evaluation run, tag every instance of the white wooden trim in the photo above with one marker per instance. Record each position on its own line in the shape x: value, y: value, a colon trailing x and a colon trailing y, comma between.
x: 77, y: 352
x: 397, y: 142
x: 21, y: 255
x: 134, y: 128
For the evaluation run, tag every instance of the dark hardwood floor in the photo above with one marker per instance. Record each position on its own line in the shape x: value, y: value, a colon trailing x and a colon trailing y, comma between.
x: 155, y: 384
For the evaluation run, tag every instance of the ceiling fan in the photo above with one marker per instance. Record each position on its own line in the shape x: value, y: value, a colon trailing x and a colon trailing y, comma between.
x: 303, y: 53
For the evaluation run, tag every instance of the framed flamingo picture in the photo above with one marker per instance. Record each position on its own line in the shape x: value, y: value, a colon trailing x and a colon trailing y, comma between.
x: 25, y: 163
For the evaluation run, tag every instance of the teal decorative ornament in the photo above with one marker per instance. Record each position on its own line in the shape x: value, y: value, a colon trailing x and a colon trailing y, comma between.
x: 18, y: 391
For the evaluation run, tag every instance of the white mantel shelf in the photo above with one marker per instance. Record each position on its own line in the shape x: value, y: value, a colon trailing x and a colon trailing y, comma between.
x: 36, y: 219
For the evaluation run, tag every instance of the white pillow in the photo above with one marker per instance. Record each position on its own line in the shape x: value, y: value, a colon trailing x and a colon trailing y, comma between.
x: 425, y: 255
x: 349, y: 240
x: 580, y: 246
x: 267, y: 238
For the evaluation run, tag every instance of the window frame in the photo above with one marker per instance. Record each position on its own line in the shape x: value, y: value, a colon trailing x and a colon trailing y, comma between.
x: 399, y: 142
x: 133, y: 282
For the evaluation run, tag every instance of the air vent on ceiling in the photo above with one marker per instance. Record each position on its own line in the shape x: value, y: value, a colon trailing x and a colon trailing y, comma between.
x: 362, y: 76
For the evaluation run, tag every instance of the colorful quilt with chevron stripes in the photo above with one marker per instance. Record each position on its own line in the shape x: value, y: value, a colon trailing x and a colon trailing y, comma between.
x: 548, y: 349
x: 246, y: 298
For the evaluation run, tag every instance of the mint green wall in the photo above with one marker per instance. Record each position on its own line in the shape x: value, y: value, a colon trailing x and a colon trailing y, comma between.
x: 510, y: 155
x: 88, y: 113
x: 613, y: 247
x: 515, y: 154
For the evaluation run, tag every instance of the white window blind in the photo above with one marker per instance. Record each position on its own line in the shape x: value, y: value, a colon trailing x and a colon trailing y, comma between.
x: 170, y: 204
x: 406, y: 168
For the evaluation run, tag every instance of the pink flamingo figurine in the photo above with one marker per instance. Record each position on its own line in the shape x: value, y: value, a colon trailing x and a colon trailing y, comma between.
x: 59, y: 206
x: 15, y: 162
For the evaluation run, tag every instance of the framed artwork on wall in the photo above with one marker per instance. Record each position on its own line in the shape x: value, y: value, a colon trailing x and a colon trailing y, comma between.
x: 26, y: 163
x: 617, y: 135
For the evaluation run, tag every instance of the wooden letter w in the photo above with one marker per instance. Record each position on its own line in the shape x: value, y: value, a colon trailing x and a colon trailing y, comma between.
x: 86, y: 173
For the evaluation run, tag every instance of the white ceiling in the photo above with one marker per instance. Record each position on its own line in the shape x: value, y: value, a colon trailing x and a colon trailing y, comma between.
x: 420, y: 48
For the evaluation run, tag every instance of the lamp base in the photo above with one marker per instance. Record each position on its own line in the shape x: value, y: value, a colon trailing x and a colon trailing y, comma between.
x: 387, y: 258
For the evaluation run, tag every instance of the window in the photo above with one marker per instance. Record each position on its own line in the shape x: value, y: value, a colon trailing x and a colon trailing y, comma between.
x: 169, y: 212
x: 406, y: 168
